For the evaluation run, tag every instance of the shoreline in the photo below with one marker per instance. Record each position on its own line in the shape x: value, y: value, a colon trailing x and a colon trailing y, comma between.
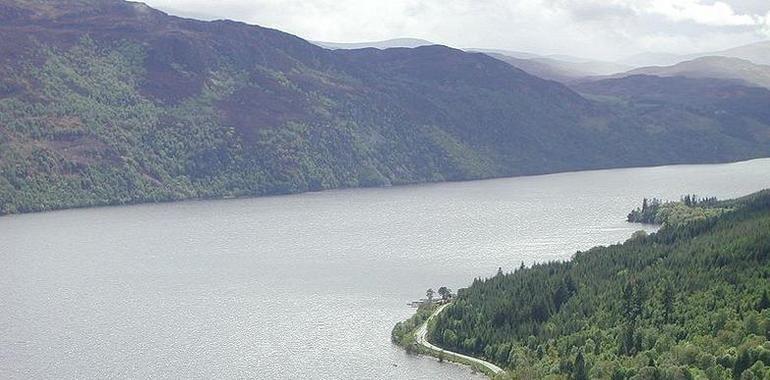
x: 418, y: 343
x: 365, y: 188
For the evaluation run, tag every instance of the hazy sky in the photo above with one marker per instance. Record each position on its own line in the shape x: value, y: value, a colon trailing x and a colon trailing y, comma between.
x: 590, y: 28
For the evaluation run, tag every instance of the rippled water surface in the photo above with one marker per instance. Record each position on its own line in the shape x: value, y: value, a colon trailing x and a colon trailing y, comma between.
x: 293, y: 287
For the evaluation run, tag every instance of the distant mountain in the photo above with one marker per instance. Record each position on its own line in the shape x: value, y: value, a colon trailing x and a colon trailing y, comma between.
x: 113, y: 102
x: 539, y: 69
x: 653, y: 59
x: 527, y: 55
x: 387, y: 44
x: 509, y: 53
x: 563, y: 69
x: 568, y: 58
x: 735, y: 69
x: 758, y: 53
x: 581, y: 69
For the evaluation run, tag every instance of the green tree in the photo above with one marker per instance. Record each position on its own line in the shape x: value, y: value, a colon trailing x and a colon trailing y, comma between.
x: 742, y: 363
x: 764, y: 301
x: 537, y: 315
x: 628, y: 301
x: 668, y: 302
x: 445, y: 293
x: 449, y: 338
x: 580, y: 372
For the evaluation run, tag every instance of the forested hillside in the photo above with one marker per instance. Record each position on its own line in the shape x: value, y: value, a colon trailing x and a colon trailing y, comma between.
x: 688, y: 302
x: 113, y: 102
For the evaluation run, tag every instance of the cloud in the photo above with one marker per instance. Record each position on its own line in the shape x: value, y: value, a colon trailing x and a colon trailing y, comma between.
x: 715, y: 14
x: 605, y: 29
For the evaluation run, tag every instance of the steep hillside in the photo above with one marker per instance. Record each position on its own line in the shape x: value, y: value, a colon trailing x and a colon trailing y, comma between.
x: 112, y: 102
x: 738, y: 110
x: 688, y: 302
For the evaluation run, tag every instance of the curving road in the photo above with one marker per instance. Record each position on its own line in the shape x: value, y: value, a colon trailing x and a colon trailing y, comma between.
x: 420, y: 337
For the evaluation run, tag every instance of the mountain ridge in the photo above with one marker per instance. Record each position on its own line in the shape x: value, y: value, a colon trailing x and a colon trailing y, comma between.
x: 384, y: 44
x: 757, y: 52
x: 111, y: 102
x: 716, y: 67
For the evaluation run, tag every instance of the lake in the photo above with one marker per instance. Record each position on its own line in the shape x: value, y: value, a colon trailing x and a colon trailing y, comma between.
x: 300, y: 286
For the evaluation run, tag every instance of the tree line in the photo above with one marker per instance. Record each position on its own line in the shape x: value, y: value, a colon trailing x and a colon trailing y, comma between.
x: 688, y: 302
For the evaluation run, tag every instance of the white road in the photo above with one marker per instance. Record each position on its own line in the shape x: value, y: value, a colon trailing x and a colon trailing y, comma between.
x: 420, y: 337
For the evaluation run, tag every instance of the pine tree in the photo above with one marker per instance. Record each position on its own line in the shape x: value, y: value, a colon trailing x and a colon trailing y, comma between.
x: 638, y: 302
x: 668, y: 302
x: 628, y: 301
x: 764, y: 301
x: 580, y: 367
x: 741, y: 364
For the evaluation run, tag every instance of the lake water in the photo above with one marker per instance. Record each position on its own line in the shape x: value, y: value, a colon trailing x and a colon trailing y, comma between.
x: 295, y: 287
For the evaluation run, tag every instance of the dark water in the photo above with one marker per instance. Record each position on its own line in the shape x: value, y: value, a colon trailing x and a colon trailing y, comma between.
x: 294, y: 287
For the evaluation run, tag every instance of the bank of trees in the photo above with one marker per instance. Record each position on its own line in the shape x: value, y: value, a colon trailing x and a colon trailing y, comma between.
x: 690, y: 301
x: 689, y: 207
x: 114, y: 118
